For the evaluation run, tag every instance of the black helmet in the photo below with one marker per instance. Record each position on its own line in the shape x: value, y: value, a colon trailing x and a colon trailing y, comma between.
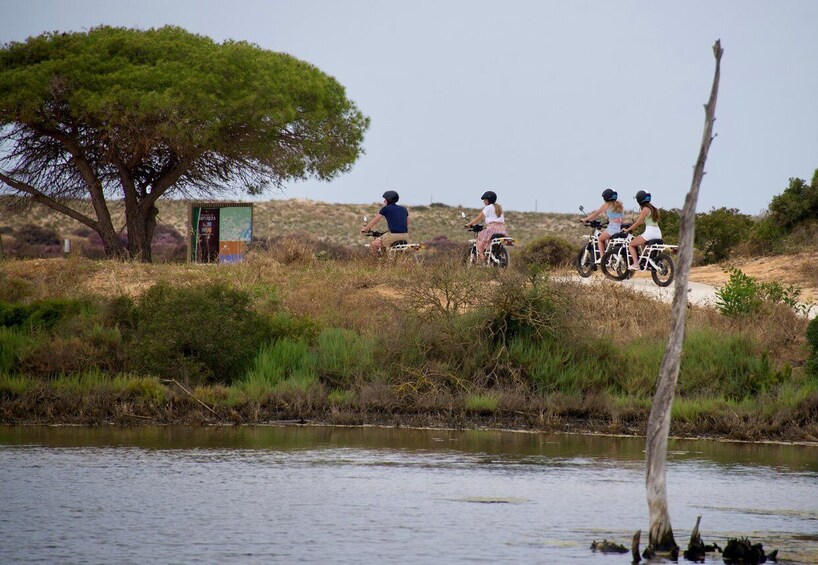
x: 642, y: 197
x: 609, y: 195
x: 391, y: 196
x: 490, y: 196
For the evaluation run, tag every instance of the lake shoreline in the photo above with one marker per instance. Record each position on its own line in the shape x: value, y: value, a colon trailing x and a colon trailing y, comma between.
x: 133, y: 415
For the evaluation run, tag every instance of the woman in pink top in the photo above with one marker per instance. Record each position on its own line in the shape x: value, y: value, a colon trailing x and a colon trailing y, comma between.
x: 495, y: 222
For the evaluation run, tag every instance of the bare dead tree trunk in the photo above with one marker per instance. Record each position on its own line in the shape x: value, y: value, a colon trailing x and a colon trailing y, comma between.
x: 660, y: 537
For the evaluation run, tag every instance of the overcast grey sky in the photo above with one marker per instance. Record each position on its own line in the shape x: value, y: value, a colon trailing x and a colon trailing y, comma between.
x: 545, y: 102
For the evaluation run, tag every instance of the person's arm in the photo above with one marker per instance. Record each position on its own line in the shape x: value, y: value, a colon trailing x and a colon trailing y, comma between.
x: 640, y: 220
x: 476, y: 220
x: 371, y: 224
x: 594, y: 214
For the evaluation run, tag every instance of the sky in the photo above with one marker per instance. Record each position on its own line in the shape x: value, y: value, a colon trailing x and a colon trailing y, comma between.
x: 546, y: 102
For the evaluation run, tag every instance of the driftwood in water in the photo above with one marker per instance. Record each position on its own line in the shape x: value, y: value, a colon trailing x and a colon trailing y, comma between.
x: 660, y: 533
x: 743, y: 551
x: 696, y: 548
x: 606, y: 546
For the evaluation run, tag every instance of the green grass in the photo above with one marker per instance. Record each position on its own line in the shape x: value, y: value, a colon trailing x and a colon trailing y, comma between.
x: 481, y: 403
x: 13, y: 344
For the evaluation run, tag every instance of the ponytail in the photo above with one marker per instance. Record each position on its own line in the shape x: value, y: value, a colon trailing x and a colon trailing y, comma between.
x: 498, y: 210
x: 654, y: 213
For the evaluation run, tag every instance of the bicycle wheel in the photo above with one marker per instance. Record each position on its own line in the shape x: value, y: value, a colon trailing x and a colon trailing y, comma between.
x: 585, y: 261
x: 499, y: 256
x: 662, y: 274
x: 615, y: 263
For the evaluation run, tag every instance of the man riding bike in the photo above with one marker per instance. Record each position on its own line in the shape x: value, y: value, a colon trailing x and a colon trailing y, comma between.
x: 397, y: 221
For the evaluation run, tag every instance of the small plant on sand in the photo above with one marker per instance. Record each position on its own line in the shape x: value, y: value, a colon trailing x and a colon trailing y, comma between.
x: 743, y: 295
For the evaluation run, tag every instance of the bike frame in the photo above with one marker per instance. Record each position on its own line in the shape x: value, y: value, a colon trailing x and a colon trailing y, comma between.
x: 396, y: 248
x: 593, y: 240
x: 489, y: 255
x: 645, y: 257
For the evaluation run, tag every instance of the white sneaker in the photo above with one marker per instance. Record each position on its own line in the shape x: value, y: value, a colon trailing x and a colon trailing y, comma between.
x: 633, y: 267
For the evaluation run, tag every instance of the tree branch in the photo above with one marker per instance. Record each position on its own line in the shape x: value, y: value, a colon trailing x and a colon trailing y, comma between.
x: 41, y: 198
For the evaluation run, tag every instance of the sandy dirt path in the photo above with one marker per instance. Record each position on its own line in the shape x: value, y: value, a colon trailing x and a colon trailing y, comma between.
x: 698, y: 293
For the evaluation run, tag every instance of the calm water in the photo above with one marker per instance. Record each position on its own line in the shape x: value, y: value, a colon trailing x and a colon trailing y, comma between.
x: 340, y: 495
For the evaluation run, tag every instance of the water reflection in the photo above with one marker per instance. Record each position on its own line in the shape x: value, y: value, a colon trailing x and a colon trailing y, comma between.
x: 253, y: 494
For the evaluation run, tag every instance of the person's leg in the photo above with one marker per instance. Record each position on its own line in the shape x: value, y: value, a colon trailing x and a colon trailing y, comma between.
x: 375, y: 246
x: 603, y: 238
x: 482, y: 243
x: 632, y: 246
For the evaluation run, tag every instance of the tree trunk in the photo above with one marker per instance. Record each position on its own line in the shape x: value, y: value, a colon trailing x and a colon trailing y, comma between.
x: 141, y: 225
x: 660, y: 537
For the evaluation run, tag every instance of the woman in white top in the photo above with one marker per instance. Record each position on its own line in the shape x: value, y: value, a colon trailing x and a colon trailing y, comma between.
x: 495, y: 222
x: 648, y: 215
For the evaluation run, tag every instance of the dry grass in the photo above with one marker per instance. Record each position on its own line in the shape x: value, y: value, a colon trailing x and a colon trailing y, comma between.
x: 339, y: 223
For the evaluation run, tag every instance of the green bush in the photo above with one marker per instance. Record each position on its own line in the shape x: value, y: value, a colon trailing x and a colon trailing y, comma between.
x: 812, y: 335
x: 201, y: 334
x: 548, y: 251
x: 740, y: 296
x: 811, y: 366
x: 13, y: 344
x: 767, y: 236
x: 43, y: 314
x: 798, y: 203
x: 343, y: 355
x: 14, y: 289
x: 719, y: 231
x: 669, y: 222
x: 714, y: 363
x: 285, y: 361
x: 743, y: 295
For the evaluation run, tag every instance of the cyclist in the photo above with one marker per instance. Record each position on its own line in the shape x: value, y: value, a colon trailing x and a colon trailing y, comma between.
x: 492, y: 213
x: 615, y: 211
x: 397, y: 222
x: 649, y: 215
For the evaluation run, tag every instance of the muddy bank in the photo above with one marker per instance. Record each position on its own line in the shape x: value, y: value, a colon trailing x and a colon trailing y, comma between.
x: 55, y: 408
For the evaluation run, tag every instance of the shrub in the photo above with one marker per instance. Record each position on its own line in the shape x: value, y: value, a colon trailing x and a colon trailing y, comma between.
x: 548, y: 251
x: 812, y: 335
x: 13, y: 344
x: 302, y: 248
x: 669, y: 222
x: 202, y: 334
x: 719, y: 231
x: 343, y: 355
x: 37, y: 235
x: 43, y: 314
x: 729, y: 364
x: 798, y: 202
x: 743, y: 294
x: 14, y: 289
x: 286, y: 360
x: 767, y: 236
x: 120, y: 313
x: 811, y: 366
